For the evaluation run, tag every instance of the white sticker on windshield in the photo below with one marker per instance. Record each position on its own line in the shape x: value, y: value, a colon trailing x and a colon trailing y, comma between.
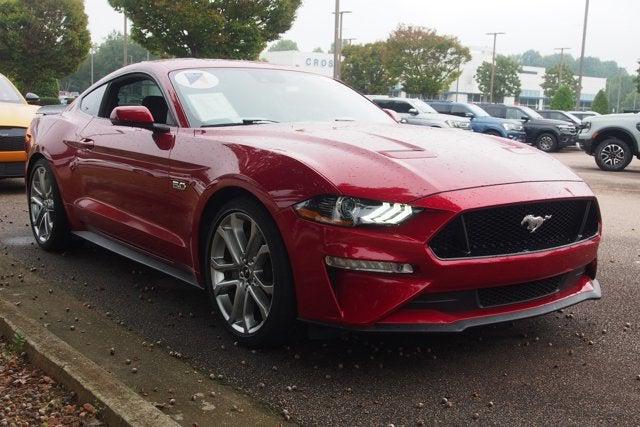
x: 212, y: 107
x: 196, y: 79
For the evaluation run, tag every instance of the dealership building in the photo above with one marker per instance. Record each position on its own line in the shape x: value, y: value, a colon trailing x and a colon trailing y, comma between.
x: 465, y: 89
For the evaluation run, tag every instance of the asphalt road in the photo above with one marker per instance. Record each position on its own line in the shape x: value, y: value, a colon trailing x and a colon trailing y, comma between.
x: 581, y: 366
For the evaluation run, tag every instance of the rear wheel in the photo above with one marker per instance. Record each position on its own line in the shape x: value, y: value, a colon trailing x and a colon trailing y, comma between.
x: 46, y: 212
x: 249, y: 279
x: 613, y: 155
x: 547, y: 142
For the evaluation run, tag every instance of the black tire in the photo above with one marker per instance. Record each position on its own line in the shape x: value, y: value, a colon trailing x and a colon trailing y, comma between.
x: 58, y: 237
x: 547, y: 142
x: 613, y: 155
x: 280, y: 322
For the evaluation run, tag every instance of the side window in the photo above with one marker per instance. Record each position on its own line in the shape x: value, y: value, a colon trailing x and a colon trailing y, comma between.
x: 491, y: 110
x: 459, y: 110
x: 515, y: 114
x: 442, y: 108
x: 402, y: 107
x: 91, y: 102
x: 140, y: 92
x: 383, y: 103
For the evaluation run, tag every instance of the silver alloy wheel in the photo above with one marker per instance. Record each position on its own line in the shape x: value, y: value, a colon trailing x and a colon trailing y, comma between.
x: 612, y: 155
x: 546, y: 143
x: 241, y: 272
x: 42, y: 204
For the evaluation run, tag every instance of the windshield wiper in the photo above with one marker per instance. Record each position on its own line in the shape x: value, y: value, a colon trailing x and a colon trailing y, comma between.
x: 245, y: 122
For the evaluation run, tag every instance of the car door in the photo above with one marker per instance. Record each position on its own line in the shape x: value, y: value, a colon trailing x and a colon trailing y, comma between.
x: 403, y: 108
x: 122, y: 172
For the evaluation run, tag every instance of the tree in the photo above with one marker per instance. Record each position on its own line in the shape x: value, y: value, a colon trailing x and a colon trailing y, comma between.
x: 552, y: 80
x: 283, y: 45
x: 507, y: 80
x: 318, y: 50
x: 207, y: 28
x: 106, y: 59
x: 638, y: 79
x: 426, y: 63
x: 364, y: 70
x: 563, y: 99
x: 41, y: 41
x: 600, y: 103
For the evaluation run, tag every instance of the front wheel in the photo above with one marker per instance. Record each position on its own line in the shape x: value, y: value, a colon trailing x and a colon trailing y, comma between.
x: 613, y: 155
x: 547, y: 142
x: 249, y: 278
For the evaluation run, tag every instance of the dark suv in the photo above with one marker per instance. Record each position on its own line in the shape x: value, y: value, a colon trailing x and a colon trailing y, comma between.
x: 548, y: 135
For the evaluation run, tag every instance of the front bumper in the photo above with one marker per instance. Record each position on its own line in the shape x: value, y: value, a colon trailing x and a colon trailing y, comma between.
x: 374, y: 301
x: 567, y: 140
x: 517, y: 136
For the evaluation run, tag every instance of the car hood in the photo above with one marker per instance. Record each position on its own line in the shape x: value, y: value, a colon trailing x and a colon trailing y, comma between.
x: 400, y: 163
x: 16, y: 115
x: 547, y: 122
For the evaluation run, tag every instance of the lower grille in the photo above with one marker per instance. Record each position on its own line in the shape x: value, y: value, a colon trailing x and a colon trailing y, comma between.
x: 12, y: 170
x: 475, y: 299
x: 12, y: 139
x: 493, y: 297
x: 507, y: 230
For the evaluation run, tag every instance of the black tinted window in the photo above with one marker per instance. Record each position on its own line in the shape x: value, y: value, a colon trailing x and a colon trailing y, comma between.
x: 494, y: 110
x: 91, y: 102
x: 459, y: 110
x: 402, y: 107
x: 516, y: 114
x: 383, y: 103
x: 442, y: 108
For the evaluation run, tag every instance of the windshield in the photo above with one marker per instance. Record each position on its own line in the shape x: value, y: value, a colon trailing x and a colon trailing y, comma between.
x: 531, y: 113
x: 477, y: 111
x: 8, y: 93
x: 237, y: 96
x: 423, y: 107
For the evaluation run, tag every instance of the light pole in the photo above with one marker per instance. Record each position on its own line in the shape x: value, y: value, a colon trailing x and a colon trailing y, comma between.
x: 337, y: 46
x: 584, y: 41
x: 336, y: 43
x: 93, y: 52
x: 493, y: 64
x: 561, y: 49
x: 124, y: 47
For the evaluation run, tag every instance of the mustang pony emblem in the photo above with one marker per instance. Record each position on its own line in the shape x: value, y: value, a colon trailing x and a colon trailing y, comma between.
x: 534, y: 222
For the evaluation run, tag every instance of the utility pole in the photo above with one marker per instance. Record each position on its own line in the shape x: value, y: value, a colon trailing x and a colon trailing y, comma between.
x: 93, y: 52
x: 336, y: 43
x: 126, y: 42
x: 561, y: 49
x: 338, y: 47
x: 584, y: 42
x: 493, y: 64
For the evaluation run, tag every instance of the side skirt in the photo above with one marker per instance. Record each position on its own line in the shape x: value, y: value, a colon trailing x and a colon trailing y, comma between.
x: 137, y: 256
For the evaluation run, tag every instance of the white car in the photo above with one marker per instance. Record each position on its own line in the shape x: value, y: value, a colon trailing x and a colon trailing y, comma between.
x: 583, y: 114
x: 418, y: 112
x: 613, y: 139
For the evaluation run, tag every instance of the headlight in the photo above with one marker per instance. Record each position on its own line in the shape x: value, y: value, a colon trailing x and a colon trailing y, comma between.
x: 350, y: 212
x: 457, y: 124
x: 513, y: 126
x: 586, y: 127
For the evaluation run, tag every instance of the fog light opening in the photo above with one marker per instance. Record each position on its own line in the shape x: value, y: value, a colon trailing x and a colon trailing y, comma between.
x: 369, y: 266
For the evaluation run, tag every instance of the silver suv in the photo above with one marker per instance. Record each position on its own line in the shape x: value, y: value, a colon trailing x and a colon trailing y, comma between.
x: 613, y: 139
x: 418, y: 112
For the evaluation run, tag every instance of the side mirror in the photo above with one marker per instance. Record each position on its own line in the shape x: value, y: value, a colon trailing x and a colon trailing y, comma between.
x: 137, y: 117
x: 32, y: 98
x: 525, y: 119
x: 392, y: 114
x: 414, y: 112
x: 470, y: 115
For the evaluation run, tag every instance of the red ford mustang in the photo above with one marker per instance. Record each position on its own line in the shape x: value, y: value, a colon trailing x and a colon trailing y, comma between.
x: 288, y: 195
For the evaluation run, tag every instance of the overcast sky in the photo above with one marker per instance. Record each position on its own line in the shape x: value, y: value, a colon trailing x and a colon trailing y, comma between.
x: 542, y: 25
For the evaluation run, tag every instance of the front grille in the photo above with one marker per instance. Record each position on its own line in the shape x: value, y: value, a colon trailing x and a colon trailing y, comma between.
x: 11, y: 170
x: 492, y: 297
x: 12, y: 139
x: 500, y: 230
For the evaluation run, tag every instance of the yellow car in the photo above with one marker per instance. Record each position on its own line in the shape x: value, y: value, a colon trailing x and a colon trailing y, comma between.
x: 15, y: 117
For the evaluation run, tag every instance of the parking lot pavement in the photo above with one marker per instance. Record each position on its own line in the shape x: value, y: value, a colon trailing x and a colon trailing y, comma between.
x: 581, y: 366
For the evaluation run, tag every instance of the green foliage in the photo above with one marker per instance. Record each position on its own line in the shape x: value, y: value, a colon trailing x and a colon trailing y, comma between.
x: 593, y: 67
x: 318, y: 50
x: 425, y: 62
x: 638, y: 79
x: 283, y: 45
x: 553, y: 80
x: 49, y: 100
x: 600, y: 103
x: 563, y: 99
x: 207, y: 28
x: 506, y: 82
x: 17, y: 343
x: 106, y: 59
x: 620, y: 88
x: 363, y: 68
x: 42, y: 40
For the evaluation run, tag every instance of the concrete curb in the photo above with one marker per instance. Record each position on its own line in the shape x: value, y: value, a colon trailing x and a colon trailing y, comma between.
x: 118, y: 404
